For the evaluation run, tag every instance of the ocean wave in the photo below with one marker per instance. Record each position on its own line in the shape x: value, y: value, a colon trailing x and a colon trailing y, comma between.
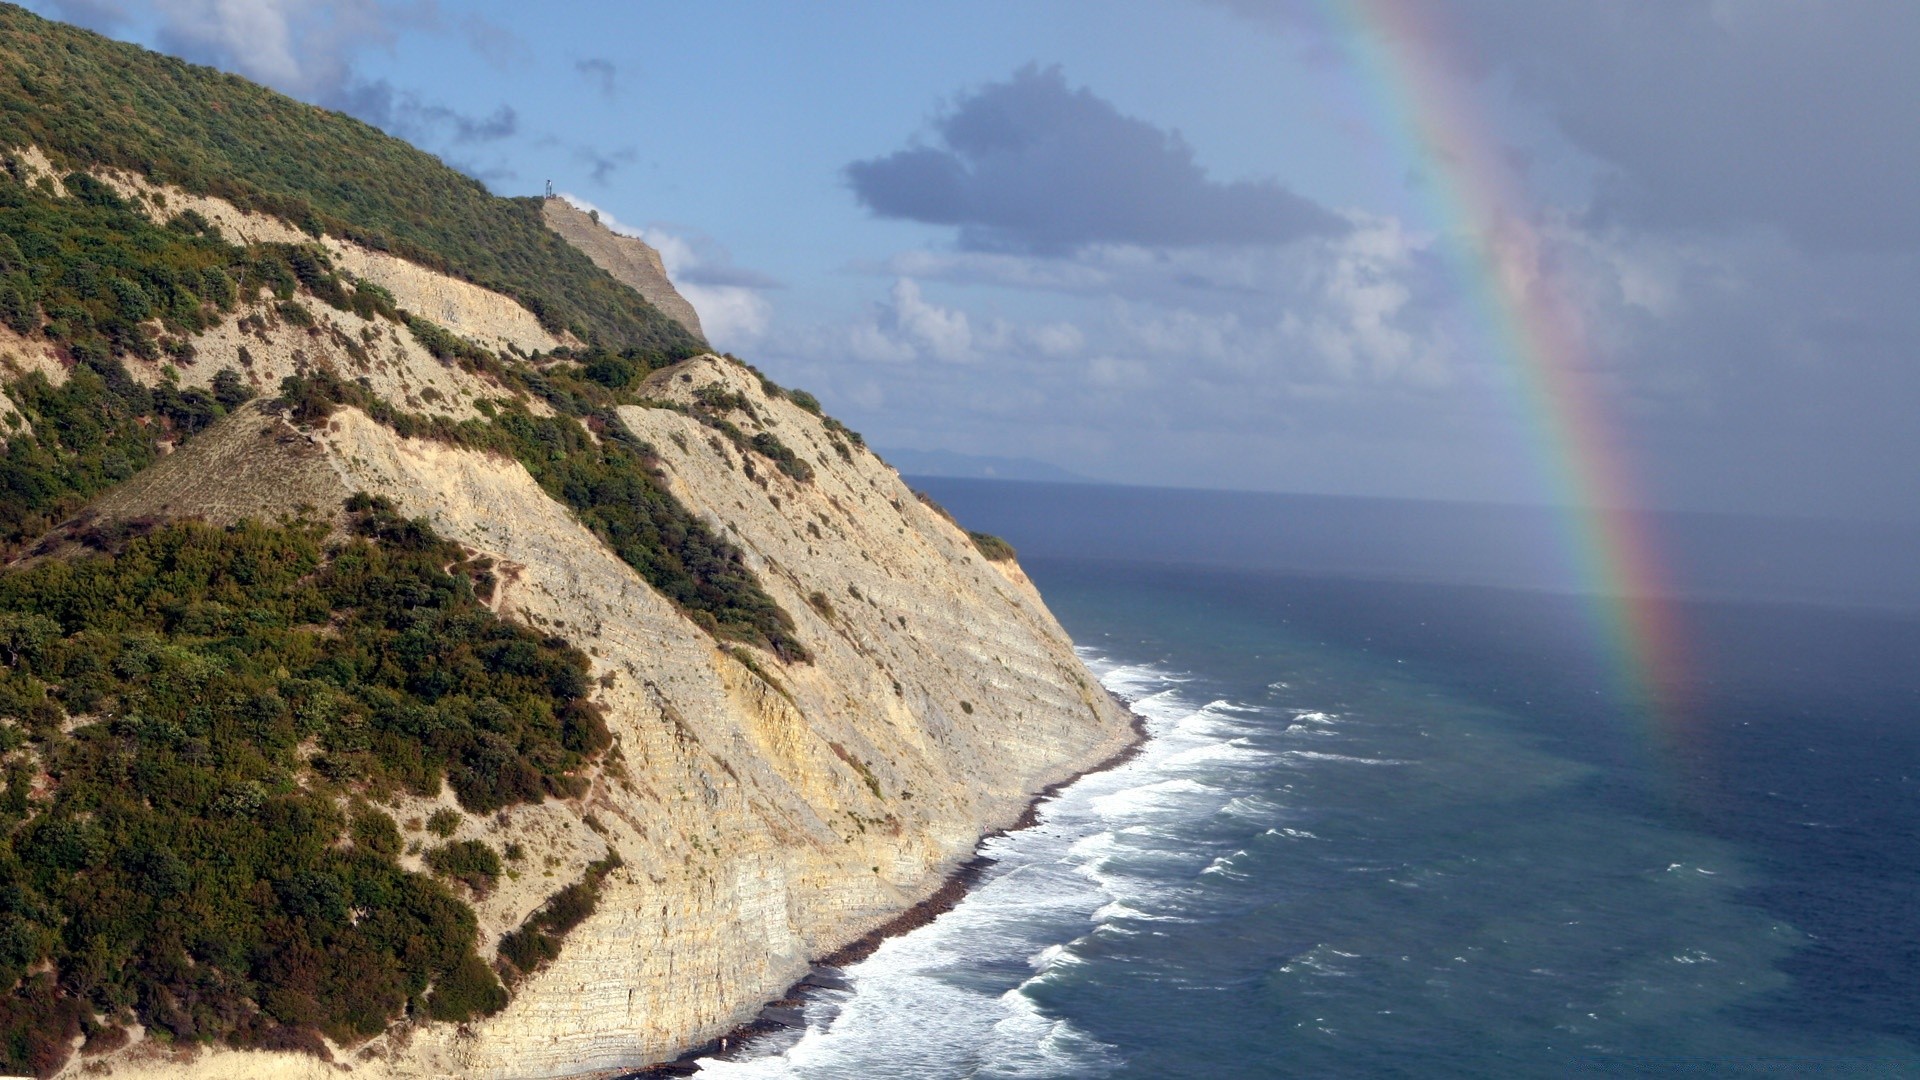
x: 1252, y: 808
x: 1160, y: 797
x: 1315, y: 755
x: 1231, y: 752
x: 1223, y: 867
x: 1109, y: 851
x: 1292, y: 834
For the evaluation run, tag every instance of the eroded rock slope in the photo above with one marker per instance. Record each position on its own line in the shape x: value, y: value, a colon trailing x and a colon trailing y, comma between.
x: 632, y: 261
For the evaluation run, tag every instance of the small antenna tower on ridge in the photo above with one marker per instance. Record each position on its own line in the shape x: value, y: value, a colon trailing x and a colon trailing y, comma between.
x: 549, y: 189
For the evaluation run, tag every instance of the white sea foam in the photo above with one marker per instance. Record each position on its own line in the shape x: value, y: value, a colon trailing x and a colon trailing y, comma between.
x: 1253, y: 808
x: 1108, y: 857
x: 1315, y: 755
x: 1223, y: 867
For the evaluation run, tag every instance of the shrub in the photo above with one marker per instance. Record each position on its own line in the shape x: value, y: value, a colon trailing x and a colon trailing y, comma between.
x: 470, y: 990
x: 783, y: 458
x: 443, y: 822
x: 188, y: 870
x: 470, y: 862
x: 536, y: 943
x: 991, y: 546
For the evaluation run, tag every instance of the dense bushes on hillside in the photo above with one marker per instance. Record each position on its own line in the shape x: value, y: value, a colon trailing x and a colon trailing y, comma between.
x: 92, y: 102
x: 89, y: 433
x: 180, y: 716
x: 609, y: 481
x: 991, y: 546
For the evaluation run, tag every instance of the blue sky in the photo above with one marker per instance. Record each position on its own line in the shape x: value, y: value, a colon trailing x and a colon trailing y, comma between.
x: 1175, y: 241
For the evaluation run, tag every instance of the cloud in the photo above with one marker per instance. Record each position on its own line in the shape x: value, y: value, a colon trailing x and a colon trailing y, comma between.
x: 601, y: 74
x: 301, y: 47
x: 601, y: 166
x: 405, y: 114
x: 1705, y: 113
x: 1032, y: 166
x: 943, y: 332
x: 733, y: 310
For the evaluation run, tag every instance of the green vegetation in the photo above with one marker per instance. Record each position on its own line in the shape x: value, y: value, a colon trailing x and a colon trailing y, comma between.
x: 443, y: 822
x: 470, y: 862
x: 927, y: 501
x: 537, y: 942
x: 610, y: 483
x: 994, y: 548
x: 97, y: 270
x: 93, y: 276
x: 181, y: 715
x: 786, y: 460
x: 90, y: 102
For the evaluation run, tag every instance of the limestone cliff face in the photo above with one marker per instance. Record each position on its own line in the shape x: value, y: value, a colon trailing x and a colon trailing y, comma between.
x: 766, y: 813
x: 631, y: 261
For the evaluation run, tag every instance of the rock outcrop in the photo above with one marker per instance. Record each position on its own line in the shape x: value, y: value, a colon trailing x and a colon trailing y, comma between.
x: 631, y: 260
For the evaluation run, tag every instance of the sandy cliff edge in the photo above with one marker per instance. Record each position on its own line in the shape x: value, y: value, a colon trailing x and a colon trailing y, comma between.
x: 631, y: 261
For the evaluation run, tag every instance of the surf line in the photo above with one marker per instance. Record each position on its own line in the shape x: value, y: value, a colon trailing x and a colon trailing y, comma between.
x: 1403, y: 57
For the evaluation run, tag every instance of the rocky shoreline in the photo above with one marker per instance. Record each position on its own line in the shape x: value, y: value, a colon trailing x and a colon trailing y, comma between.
x: 787, y: 1011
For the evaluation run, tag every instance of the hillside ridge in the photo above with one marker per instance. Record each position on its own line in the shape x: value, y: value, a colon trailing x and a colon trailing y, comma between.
x: 632, y: 261
x: 572, y: 691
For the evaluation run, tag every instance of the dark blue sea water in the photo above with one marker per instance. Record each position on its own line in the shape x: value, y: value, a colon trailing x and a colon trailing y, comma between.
x: 1393, y: 821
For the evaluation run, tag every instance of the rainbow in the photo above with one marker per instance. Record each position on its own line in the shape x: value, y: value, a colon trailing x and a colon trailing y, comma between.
x: 1495, y: 252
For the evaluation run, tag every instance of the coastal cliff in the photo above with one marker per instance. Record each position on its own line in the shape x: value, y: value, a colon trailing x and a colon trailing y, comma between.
x: 632, y: 261
x: 802, y: 694
x: 765, y: 814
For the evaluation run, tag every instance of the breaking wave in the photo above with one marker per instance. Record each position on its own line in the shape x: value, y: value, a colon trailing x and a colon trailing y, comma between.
x: 1113, y: 854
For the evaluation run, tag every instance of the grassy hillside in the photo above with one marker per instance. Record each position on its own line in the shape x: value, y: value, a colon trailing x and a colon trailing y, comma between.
x: 89, y: 101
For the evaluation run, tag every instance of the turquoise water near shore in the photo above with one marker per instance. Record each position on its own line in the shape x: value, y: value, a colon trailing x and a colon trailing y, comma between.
x: 1396, y: 828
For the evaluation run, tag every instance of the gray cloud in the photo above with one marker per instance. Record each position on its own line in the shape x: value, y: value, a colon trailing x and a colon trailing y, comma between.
x: 601, y: 74
x: 1032, y: 165
x: 1778, y: 113
x: 602, y: 166
x: 403, y: 113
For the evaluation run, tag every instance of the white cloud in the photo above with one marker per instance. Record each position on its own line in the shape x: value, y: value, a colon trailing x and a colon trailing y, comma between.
x: 734, y: 310
x: 303, y: 47
x: 942, y: 332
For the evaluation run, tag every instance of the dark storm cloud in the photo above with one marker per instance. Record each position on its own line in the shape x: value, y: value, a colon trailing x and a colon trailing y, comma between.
x: 1753, y: 209
x: 1032, y: 165
x: 601, y: 74
x: 1799, y: 116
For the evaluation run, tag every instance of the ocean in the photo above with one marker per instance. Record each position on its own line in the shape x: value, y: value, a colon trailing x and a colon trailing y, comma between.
x: 1395, y: 817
